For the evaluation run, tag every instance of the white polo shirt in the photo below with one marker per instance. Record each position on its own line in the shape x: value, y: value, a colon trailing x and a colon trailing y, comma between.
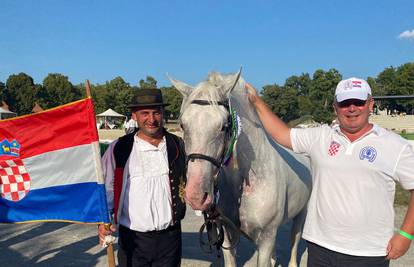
x: 351, y: 206
x: 147, y: 199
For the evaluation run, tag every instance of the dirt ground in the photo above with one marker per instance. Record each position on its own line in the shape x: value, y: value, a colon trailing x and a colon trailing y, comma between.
x: 63, y: 244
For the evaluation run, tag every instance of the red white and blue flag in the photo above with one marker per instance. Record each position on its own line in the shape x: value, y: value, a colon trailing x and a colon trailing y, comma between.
x: 50, y: 168
x: 357, y: 84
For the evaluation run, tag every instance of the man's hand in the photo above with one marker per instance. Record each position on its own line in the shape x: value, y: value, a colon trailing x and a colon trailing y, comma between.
x: 251, y: 93
x: 397, y: 246
x: 103, y: 232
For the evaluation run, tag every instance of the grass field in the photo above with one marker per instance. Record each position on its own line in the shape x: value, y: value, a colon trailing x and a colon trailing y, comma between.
x: 409, y: 136
x: 401, y: 196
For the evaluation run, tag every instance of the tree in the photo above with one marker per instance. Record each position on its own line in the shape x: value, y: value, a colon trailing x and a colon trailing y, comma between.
x: 282, y: 101
x: 385, y: 85
x: 22, y: 93
x: 59, y: 90
x: 305, y: 106
x: 149, y: 83
x: 321, y: 94
x: 301, y: 84
x: 117, y: 95
x: 174, y: 99
x: 98, y: 93
x: 404, y: 82
x: 2, y: 92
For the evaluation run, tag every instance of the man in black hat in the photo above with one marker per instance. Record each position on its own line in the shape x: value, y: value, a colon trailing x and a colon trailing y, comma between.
x: 145, y: 179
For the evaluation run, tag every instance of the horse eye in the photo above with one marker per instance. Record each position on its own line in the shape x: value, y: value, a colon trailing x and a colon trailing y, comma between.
x: 182, y: 126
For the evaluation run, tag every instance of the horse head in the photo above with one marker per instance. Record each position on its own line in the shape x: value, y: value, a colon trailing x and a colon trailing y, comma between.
x: 206, y: 123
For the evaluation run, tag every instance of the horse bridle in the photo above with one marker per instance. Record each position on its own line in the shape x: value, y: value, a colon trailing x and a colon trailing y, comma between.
x: 214, y: 221
x: 227, y: 134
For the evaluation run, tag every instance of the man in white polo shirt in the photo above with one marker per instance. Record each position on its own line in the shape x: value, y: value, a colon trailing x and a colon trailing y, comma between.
x: 355, y: 166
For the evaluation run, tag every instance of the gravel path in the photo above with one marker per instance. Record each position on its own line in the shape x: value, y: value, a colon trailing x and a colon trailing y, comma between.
x: 62, y: 244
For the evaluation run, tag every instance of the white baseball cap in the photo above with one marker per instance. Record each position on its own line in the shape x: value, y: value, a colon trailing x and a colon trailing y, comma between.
x: 352, y: 88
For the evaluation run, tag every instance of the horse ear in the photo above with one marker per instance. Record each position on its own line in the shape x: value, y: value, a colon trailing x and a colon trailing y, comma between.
x: 182, y: 87
x: 231, y: 81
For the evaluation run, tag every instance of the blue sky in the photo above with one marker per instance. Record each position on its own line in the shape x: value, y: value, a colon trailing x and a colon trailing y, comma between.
x: 272, y: 40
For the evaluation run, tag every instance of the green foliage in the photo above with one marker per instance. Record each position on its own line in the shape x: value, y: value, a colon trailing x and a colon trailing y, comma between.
x: 2, y: 92
x: 281, y: 100
x: 300, y: 96
x: 408, y: 136
x: 174, y: 99
x: 402, y: 196
x: 300, y: 83
x: 115, y: 94
x: 149, y: 83
x: 396, y: 81
x: 22, y: 93
x: 59, y: 90
x: 305, y: 106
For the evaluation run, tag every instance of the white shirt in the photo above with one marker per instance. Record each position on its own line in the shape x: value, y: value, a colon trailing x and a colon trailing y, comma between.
x: 351, y: 206
x: 147, y: 199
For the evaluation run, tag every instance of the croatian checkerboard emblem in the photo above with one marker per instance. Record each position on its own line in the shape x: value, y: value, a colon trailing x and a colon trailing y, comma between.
x: 14, y: 178
x: 368, y: 153
x: 333, y: 148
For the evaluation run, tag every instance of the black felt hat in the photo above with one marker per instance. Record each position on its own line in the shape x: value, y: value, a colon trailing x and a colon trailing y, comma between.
x: 147, y: 98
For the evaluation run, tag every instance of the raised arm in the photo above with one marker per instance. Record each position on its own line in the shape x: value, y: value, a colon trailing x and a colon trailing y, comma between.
x: 273, y: 125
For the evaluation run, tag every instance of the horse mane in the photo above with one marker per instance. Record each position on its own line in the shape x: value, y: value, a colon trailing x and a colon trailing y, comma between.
x: 207, y: 90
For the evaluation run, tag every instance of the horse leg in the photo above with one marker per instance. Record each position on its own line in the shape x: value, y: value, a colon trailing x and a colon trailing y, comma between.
x: 296, y: 234
x: 229, y: 255
x: 265, y: 249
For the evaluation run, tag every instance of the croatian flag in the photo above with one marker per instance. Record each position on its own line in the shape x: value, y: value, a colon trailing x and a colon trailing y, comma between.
x: 50, y: 168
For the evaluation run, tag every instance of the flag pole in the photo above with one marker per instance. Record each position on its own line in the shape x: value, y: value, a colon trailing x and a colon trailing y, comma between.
x: 88, y: 88
x: 110, y: 248
x: 110, y: 251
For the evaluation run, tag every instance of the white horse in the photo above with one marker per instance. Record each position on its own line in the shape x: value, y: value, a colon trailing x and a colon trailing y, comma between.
x: 263, y: 186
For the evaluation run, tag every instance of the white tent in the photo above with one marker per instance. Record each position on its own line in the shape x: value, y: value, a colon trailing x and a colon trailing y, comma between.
x: 110, y: 113
x: 5, y: 114
x: 109, y: 118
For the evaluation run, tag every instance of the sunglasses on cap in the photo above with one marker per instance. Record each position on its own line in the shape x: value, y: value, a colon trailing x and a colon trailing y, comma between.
x: 349, y: 102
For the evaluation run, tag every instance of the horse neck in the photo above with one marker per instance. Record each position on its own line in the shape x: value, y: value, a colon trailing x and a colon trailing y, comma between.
x: 251, y: 125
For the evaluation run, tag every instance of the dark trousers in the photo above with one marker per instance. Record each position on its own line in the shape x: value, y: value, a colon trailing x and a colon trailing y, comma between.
x: 322, y: 257
x: 155, y: 248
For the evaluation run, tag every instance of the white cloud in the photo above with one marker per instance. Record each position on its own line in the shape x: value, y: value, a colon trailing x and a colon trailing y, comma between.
x: 407, y: 35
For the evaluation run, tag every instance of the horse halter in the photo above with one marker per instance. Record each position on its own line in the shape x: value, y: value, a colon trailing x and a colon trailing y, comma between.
x: 227, y: 134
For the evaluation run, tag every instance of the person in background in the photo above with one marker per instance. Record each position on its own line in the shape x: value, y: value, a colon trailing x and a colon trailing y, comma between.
x: 355, y: 166
x: 130, y: 125
x: 145, y: 179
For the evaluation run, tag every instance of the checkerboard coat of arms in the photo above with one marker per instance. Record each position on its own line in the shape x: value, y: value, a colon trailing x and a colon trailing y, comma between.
x: 14, y: 178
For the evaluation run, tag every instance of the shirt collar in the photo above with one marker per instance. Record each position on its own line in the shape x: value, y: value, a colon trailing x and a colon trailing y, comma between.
x: 374, y: 130
x: 145, y: 146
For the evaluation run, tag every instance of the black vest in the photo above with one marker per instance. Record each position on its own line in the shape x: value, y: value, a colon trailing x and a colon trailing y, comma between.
x: 176, y: 164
